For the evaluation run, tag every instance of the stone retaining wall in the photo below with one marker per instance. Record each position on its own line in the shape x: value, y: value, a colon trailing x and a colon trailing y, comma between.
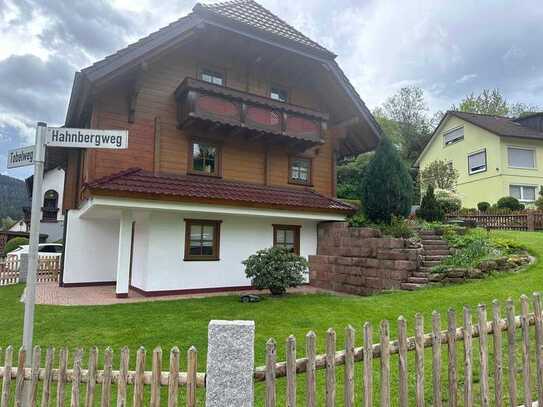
x: 360, y: 260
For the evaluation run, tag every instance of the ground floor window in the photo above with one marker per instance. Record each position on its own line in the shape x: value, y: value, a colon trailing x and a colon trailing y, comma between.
x: 202, y: 239
x: 287, y: 236
x: 524, y: 193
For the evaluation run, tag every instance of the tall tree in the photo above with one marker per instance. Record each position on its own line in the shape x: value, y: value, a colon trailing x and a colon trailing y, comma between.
x: 387, y: 188
x: 492, y: 101
x: 407, y: 108
x: 349, y: 174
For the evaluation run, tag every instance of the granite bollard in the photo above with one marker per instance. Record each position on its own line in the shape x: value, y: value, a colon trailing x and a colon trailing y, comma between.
x: 230, y: 363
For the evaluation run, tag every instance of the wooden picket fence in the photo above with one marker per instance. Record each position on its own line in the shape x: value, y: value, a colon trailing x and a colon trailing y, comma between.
x: 528, y: 220
x: 436, y: 339
x: 48, y: 270
x: 78, y: 383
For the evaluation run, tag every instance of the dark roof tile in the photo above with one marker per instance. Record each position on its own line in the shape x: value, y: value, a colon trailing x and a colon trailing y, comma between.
x: 137, y: 181
x: 502, y: 126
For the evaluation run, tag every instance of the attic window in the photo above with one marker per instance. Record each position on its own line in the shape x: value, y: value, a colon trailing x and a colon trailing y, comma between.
x: 278, y: 94
x: 453, y: 136
x: 213, y: 77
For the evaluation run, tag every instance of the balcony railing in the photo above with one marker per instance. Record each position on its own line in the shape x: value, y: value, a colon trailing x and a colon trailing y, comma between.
x: 202, y: 100
x: 49, y: 214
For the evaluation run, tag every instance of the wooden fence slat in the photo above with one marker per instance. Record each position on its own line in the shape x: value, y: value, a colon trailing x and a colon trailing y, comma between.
x: 498, y: 354
x: 402, y: 362
x: 385, y: 364
x: 452, y: 363
x: 291, y: 371
x: 91, y: 379
x: 330, y: 368
x: 123, y: 378
x: 468, y: 359
x: 34, y: 375
x: 311, y: 385
x: 76, y: 379
x: 271, y: 358
x: 6, y: 382
x: 526, y: 370
x: 139, y: 389
x: 419, y: 360
x: 349, y: 367
x: 538, y: 316
x: 368, y: 365
x: 62, y: 367
x: 512, y: 366
x: 483, y: 356
x: 20, y: 378
x: 436, y: 359
x: 192, y: 368
x: 156, y: 375
x: 173, y: 380
x: 105, y: 400
x: 48, y: 377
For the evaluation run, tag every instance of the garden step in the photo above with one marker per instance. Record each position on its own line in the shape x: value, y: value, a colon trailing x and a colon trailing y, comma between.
x: 434, y: 258
x: 417, y: 280
x: 434, y: 242
x: 422, y: 274
x: 411, y: 286
x: 436, y: 252
x: 430, y: 237
x: 430, y: 263
x: 424, y: 269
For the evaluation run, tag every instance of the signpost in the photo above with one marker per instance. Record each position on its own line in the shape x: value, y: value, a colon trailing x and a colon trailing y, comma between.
x: 53, y: 137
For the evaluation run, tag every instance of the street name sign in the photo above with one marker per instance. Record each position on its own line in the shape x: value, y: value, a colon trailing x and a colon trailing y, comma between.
x: 21, y: 157
x: 86, y: 138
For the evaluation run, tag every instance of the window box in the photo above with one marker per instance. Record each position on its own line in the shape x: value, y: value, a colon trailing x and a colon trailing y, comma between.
x: 202, y: 240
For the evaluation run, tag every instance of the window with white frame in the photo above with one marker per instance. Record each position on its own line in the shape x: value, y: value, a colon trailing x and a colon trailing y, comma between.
x: 521, y: 157
x: 453, y: 136
x: 477, y: 162
x: 524, y: 193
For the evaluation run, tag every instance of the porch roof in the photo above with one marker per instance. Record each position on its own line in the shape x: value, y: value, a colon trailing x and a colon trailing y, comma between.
x: 138, y: 183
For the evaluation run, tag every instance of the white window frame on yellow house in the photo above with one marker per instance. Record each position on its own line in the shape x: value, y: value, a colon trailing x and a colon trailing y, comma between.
x: 525, y: 148
x: 454, y: 140
x: 522, y: 186
x: 482, y: 150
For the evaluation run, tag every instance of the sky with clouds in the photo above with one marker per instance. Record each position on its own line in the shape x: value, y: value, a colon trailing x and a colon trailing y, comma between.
x: 449, y: 48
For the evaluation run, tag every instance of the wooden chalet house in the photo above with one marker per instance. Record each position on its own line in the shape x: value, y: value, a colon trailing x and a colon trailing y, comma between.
x: 235, y: 123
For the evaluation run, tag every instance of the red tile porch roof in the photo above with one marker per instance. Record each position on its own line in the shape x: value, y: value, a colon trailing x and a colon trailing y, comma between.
x: 140, y: 183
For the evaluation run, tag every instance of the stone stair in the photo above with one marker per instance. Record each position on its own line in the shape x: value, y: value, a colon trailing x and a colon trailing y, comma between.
x: 434, y: 250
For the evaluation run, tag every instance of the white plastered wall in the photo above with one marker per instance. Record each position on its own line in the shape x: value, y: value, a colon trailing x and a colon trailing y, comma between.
x: 91, y: 249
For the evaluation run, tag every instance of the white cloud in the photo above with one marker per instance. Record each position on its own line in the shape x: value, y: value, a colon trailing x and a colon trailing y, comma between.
x: 466, y: 78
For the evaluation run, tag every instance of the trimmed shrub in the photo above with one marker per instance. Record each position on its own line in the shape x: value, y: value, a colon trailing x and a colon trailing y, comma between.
x: 15, y: 243
x: 483, y: 206
x: 509, y: 202
x: 430, y: 210
x: 448, y: 200
x: 539, y: 201
x: 276, y: 269
x: 387, y: 187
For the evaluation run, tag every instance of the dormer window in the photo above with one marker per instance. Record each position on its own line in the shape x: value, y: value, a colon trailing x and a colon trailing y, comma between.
x: 278, y: 94
x: 212, y: 76
x: 453, y: 136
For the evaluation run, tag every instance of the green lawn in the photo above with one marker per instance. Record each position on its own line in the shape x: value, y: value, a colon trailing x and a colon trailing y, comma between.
x: 184, y: 323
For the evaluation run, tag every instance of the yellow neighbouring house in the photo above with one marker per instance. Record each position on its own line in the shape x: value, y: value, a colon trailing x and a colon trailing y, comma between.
x: 495, y: 156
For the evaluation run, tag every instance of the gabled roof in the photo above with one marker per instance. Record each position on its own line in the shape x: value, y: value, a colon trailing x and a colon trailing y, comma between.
x: 252, y: 14
x: 243, y: 17
x: 140, y: 183
x: 499, y: 125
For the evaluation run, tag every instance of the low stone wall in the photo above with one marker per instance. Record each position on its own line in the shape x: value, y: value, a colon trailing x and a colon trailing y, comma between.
x: 360, y: 260
x: 460, y: 274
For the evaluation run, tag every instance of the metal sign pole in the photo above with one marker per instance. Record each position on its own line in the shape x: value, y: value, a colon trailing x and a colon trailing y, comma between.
x: 30, y: 292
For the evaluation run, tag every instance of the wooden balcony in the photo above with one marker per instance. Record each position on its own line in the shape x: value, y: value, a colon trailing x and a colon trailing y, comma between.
x: 242, y: 111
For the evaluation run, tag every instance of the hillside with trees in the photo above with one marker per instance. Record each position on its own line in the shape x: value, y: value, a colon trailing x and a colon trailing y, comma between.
x: 13, y: 197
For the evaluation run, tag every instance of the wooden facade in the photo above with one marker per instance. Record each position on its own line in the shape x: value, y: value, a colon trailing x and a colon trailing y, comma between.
x: 157, y: 143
